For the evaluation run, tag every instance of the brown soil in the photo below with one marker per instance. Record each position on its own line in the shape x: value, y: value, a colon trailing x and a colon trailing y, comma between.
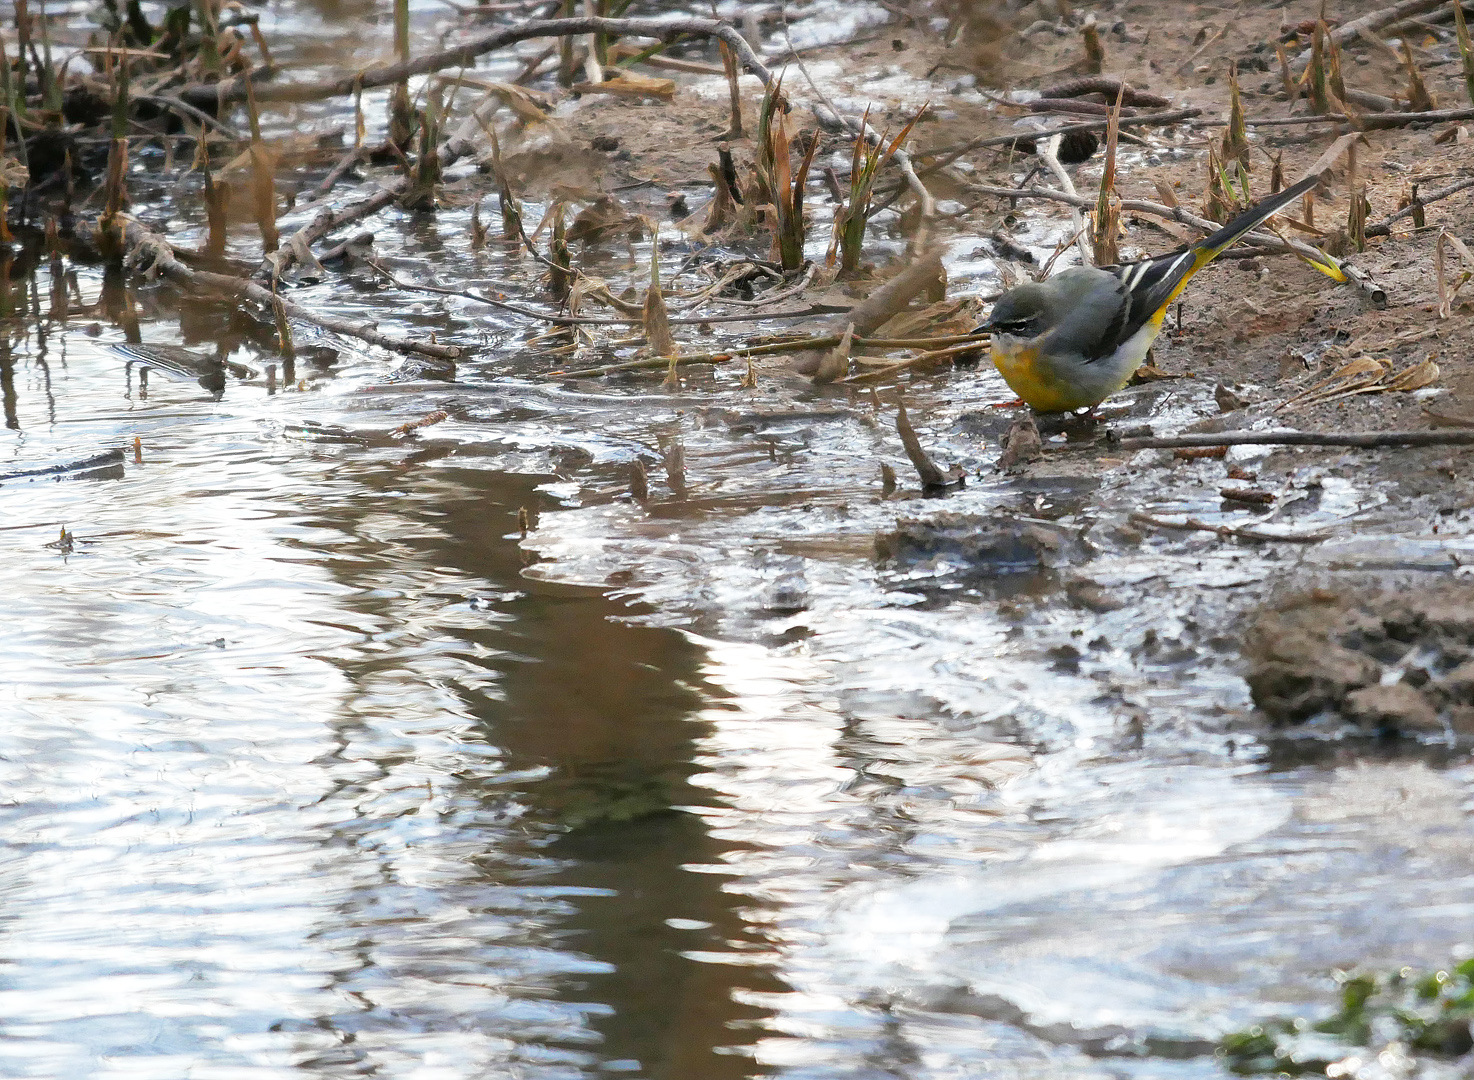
x: 1263, y: 326
x: 1263, y: 322
x: 1391, y: 662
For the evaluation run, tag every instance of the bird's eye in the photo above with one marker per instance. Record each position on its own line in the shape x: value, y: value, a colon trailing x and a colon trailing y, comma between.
x: 1022, y: 325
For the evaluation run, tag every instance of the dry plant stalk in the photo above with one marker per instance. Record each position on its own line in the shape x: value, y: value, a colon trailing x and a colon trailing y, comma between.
x: 1094, y: 51
x: 932, y: 478
x: 1107, y: 218
x: 14, y: 174
x: 109, y: 229
x: 1358, y: 208
x: 511, y: 211
x: 1466, y: 48
x: 1236, y: 135
x: 1217, y: 201
x: 360, y: 125
x: 263, y: 178
x: 283, y: 334
x: 850, y: 220
x: 566, y: 62
x: 673, y: 457
x: 217, y: 203
x: 657, y: 320
x: 478, y: 230
x: 1414, y: 202
x: 1292, y: 84
x: 835, y: 364
x: 1418, y: 97
x: 723, y: 205
x: 424, y: 182
x: 401, y: 118
x: 783, y: 188
x: 1448, y: 293
x: 1356, y: 218
x: 1320, y: 97
x: 734, y: 92
x: 1334, y: 82
x: 560, y: 273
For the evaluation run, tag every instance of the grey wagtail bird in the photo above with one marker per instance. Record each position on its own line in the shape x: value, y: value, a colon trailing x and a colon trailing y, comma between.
x: 1074, y: 340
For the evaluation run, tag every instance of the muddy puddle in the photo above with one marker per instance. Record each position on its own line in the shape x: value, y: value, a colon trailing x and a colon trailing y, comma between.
x: 332, y: 749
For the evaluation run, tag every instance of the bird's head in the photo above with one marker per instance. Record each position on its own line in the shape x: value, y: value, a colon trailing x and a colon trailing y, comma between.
x: 1020, y: 312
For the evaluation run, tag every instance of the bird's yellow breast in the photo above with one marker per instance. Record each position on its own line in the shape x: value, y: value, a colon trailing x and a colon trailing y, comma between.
x: 1060, y: 382
x: 1019, y: 364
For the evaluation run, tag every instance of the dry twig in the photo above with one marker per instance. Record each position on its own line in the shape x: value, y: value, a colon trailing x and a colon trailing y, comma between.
x: 152, y: 254
x: 1298, y: 438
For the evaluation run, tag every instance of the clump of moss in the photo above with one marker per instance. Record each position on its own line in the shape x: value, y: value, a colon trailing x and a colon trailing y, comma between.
x: 1428, y: 1012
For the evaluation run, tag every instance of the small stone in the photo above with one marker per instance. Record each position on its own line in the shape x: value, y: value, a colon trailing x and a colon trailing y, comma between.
x: 1302, y: 677
x: 1022, y: 444
x: 605, y: 143
x: 1064, y: 659
x: 1458, y: 685
x: 1397, y: 708
x: 1227, y: 400
x: 1083, y: 593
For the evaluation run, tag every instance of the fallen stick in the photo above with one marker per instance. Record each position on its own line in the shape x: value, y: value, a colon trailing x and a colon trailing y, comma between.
x: 1372, y: 22
x: 932, y: 478
x: 914, y: 361
x: 645, y: 363
x: 151, y: 254
x: 1070, y: 105
x: 199, y: 116
x: 587, y: 320
x: 1183, y: 216
x: 1241, y: 532
x: 353, y: 156
x: 1048, y: 152
x: 1365, y: 120
x: 1384, y: 227
x: 96, y: 461
x: 464, y: 55
x: 329, y: 220
x: 957, y: 150
x: 773, y: 348
x: 1109, y: 85
x: 1296, y: 438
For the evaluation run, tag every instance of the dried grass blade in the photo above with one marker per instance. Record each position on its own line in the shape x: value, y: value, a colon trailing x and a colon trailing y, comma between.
x: 1466, y: 48
x: 1415, y: 377
x: 1107, y: 218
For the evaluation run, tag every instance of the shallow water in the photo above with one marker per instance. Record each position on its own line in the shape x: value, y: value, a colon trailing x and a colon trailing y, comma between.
x: 314, y: 765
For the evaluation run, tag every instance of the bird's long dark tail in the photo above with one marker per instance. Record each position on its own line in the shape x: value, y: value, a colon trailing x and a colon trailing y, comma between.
x: 1251, y: 219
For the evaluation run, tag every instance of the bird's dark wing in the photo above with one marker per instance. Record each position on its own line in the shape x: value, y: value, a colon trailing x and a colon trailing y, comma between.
x: 1152, y: 283
x: 1147, y: 285
x: 1093, y: 310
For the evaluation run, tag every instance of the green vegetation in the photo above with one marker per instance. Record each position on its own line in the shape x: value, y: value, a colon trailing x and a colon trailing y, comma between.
x: 1428, y: 1013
